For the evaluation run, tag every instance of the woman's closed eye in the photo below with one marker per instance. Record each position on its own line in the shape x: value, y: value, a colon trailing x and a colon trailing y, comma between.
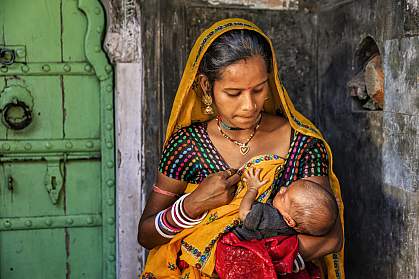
x: 233, y: 93
x: 236, y: 93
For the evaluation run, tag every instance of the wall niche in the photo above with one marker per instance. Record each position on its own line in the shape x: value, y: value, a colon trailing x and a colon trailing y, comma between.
x: 367, y: 85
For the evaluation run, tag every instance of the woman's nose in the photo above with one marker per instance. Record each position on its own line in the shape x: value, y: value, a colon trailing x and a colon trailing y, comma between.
x: 249, y: 103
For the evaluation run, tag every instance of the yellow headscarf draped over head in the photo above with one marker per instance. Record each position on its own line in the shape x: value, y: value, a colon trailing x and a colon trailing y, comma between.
x: 187, y: 108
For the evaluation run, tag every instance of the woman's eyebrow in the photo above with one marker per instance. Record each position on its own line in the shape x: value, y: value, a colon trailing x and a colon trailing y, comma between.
x: 248, y: 87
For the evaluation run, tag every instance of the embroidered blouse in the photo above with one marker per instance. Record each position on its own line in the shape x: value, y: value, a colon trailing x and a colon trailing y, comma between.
x: 190, y: 156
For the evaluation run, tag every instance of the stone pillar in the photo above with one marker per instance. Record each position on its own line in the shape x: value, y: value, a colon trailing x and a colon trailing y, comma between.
x: 123, y: 45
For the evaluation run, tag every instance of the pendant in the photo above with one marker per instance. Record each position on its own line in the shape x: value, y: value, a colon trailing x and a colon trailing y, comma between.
x: 244, y: 149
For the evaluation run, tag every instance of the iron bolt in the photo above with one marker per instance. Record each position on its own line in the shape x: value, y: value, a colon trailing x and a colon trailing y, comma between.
x: 99, y: 29
x: 109, y: 88
x: 108, y: 126
x: 97, y: 10
x: 109, y: 164
x: 97, y: 49
x: 48, y: 222
x: 28, y: 146
x: 7, y: 224
x: 108, y: 68
x: 69, y: 221
x: 89, y: 220
x: 20, y: 52
x: 89, y: 144
x: 69, y: 145
x: 111, y: 258
x: 111, y: 239
x: 109, y: 145
x: 4, y: 69
x: 6, y: 146
x: 110, y: 202
x: 87, y: 68
x: 110, y: 220
x: 67, y: 68
x: 28, y: 223
x: 48, y: 145
x: 46, y: 68
x: 25, y: 68
x: 110, y: 182
x: 108, y: 107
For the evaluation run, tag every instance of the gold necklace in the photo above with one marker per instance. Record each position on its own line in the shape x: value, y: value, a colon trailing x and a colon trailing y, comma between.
x: 243, y: 146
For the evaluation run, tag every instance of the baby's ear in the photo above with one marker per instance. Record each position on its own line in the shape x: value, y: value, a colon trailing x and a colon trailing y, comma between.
x: 289, y: 220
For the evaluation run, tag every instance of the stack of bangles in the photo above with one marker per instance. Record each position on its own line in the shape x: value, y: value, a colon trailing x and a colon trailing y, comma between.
x: 182, y: 221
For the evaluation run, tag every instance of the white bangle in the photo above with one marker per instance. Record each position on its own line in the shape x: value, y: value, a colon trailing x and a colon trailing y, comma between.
x: 175, y: 217
x: 184, y: 215
x: 179, y: 216
x: 156, y: 224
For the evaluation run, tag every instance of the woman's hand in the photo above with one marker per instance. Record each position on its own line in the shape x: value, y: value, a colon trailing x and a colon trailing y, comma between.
x: 215, y: 190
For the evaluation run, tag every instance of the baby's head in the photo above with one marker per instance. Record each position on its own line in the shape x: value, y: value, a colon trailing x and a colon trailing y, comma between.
x: 307, y: 207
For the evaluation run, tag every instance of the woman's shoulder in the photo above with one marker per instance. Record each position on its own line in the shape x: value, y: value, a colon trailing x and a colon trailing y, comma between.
x: 194, y: 130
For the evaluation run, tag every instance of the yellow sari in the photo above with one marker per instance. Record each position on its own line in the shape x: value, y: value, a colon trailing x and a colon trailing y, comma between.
x: 197, y: 245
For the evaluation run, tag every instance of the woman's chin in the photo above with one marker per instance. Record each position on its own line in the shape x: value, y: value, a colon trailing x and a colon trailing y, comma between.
x: 245, y: 122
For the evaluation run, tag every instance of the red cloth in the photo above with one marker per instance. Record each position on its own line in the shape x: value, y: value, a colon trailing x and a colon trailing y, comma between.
x: 263, y: 258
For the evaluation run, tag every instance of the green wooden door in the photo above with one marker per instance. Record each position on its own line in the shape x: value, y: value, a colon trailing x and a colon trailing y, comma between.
x: 57, y: 212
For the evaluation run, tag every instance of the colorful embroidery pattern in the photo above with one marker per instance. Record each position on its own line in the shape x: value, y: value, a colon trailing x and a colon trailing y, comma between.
x: 171, y: 266
x: 203, y: 256
x: 307, y: 157
x: 148, y: 275
x: 212, y: 217
x: 190, y: 156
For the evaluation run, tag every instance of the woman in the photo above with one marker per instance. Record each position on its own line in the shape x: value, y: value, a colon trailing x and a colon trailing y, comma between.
x: 231, y: 88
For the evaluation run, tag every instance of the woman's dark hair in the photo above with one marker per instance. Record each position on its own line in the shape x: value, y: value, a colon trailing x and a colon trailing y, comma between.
x: 232, y: 47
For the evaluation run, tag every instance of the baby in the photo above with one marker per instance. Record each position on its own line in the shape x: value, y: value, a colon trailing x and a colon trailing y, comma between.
x: 302, y: 207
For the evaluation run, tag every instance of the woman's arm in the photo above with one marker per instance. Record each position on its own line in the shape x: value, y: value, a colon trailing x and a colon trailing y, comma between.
x: 215, y: 190
x: 313, y: 247
x: 147, y: 236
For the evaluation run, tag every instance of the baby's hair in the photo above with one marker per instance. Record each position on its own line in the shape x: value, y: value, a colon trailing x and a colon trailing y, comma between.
x: 314, y: 209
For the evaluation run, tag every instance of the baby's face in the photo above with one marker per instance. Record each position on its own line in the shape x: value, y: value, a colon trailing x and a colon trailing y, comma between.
x: 282, y: 200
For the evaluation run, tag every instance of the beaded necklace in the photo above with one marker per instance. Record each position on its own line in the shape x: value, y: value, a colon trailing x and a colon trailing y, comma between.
x: 244, y: 147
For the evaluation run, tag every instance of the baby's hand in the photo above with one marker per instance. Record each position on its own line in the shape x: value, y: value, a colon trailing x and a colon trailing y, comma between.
x: 251, y: 178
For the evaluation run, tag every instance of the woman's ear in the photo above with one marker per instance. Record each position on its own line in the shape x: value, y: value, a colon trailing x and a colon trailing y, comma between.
x: 289, y: 220
x: 205, y: 84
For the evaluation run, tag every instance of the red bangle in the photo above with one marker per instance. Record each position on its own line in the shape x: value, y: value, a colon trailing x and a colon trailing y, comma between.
x: 163, y: 192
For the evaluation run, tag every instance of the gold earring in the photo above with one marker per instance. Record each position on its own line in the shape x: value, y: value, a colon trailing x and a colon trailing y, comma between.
x: 207, y: 100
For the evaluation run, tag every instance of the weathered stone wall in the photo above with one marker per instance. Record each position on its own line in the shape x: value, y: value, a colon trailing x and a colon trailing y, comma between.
x: 376, y: 152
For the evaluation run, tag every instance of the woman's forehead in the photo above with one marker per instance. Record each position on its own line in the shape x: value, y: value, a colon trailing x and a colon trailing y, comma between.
x: 244, y: 73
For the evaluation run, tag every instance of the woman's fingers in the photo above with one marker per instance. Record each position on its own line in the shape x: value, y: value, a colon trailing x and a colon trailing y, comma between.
x: 232, y: 180
x: 227, y: 173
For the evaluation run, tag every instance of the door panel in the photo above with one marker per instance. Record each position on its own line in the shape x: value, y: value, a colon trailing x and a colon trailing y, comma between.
x: 85, y: 254
x: 82, y: 107
x: 35, y: 25
x: 57, y: 180
x: 47, y: 120
x: 73, y: 33
x: 19, y: 258
x: 26, y: 194
x: 82, y: 194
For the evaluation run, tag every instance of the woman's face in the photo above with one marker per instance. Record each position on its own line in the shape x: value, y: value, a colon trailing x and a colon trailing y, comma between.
x: 241, y: 92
